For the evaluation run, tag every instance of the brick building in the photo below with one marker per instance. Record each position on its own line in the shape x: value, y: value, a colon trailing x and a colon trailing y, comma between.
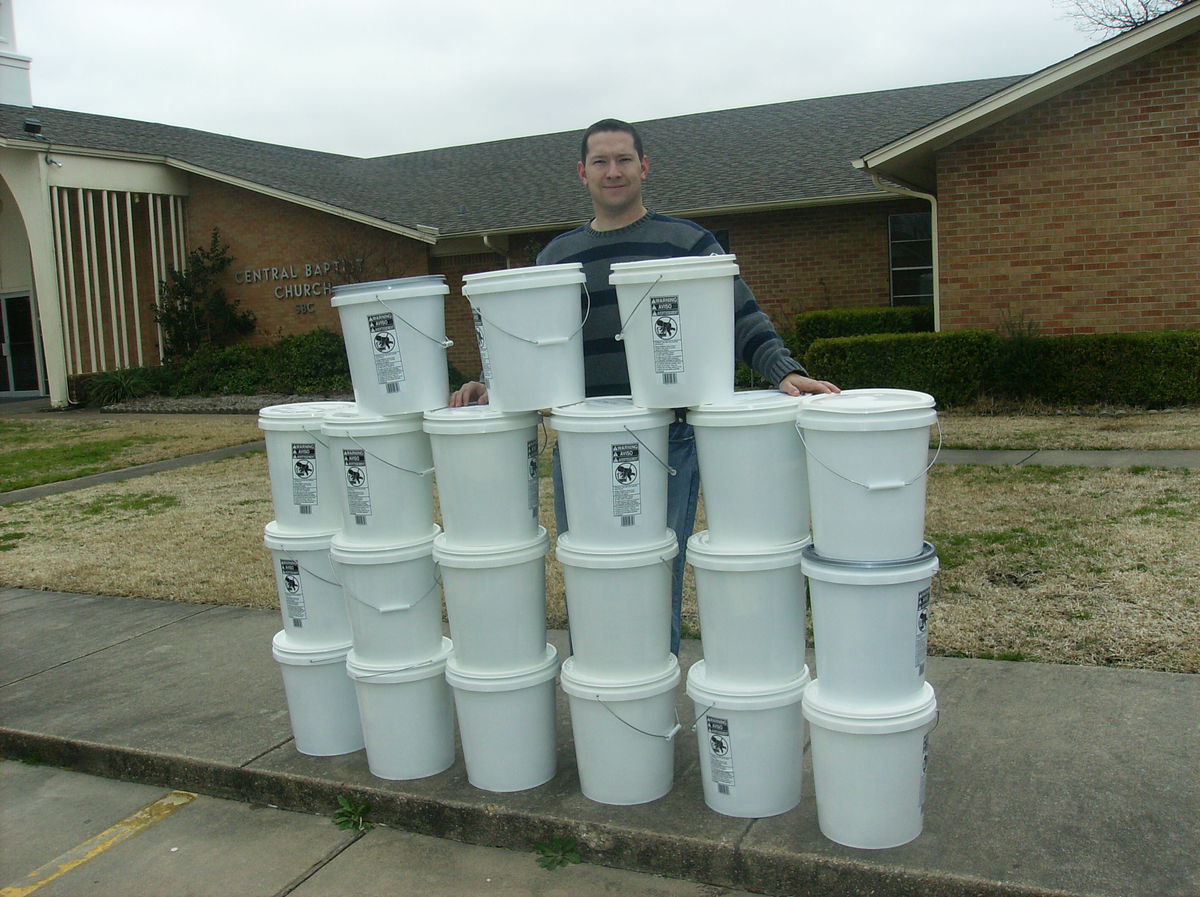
x: 1067, y: 199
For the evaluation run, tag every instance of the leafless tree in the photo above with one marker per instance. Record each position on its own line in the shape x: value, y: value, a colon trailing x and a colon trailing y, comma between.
x: 1108, y: 17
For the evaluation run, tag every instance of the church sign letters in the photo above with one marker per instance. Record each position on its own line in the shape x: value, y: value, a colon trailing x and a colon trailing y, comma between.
x: 313, y: 275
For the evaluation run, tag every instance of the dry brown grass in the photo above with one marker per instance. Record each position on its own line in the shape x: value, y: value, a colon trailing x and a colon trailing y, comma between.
x: 1100, y: 429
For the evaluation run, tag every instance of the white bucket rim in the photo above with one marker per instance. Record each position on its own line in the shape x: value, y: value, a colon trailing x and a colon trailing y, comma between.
x: 355, y: 423
x: 867, y: 409
x: 627, y: 690
x: 747, y: 408
x: 474, y: 419
x: 722, y: 697
x: 345, y: 551
x: 513, y: 280
x: 605, y: 558
x: 846, y: 572
x: 605, y: 414
x: 920, y: 711
x: 286, y: 652
x: 470, y: 557
x: 512, y: 680
x: 277, y: 539
x: 421, y: 285
x: 705, y: 556
x: 390, y: 674
x: 690, y: 267
x: 298, y: 415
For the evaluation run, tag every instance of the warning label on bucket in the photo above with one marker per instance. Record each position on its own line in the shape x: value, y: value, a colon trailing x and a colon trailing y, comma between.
x: 358, y: 490
x: 485, y: 361
x: 531, y: 452
x: 304, y: 475
x: 293, y: 592
x: 389, y: 366
x: 720, y: 754
x: 626, y: 481
x: 922, y: 630
x: 667, y: 336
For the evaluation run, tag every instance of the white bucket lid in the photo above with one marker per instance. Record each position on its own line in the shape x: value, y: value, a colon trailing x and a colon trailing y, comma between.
x: 747, y: 408
x: 867, y: 409
x: 447, y: 554
x: 399, y: 288
x: 345, y: 551
x: 389, y: 674
x: 768, y: 557
x: 632, y: 690
x: 277, y: 539
x: 691, y: 267
x: 517, y: 279
x: 350, y: 422
x: 298, y: 415
x: 543, y: 671
x: 603, y: 414
x: 284, y: 651
x: 921, y: 711
x: 472, y: 419
x: 616, y: 558
x: 869, y: 573
x: 721, y: 697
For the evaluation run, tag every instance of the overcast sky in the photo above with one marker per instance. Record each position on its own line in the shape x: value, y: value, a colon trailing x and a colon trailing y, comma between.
x: 372, y: 77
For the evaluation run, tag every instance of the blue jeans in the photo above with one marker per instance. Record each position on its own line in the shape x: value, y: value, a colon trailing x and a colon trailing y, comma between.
x: 683, y: 491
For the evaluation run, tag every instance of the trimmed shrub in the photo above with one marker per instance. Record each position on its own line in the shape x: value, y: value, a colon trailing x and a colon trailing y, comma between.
x: 834, y: 322
x: 312, y: 362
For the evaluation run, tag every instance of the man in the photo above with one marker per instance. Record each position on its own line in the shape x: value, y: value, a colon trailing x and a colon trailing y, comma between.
x: 612, y: 167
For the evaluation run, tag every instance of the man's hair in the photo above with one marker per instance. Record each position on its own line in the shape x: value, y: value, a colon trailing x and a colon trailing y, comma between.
x: 610, y: 124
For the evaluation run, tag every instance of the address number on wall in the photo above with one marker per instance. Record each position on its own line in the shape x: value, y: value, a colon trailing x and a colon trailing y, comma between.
x: 306, y: 308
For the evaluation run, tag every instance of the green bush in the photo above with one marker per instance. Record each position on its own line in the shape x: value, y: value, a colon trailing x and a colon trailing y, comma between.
x: 834, y: 322
x: 312, y: 362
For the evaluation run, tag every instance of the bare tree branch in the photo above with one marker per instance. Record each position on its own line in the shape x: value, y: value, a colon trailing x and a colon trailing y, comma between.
x: 1109, y: 17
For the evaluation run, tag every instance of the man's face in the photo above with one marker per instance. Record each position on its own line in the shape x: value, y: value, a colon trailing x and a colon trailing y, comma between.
x: 613, y: 173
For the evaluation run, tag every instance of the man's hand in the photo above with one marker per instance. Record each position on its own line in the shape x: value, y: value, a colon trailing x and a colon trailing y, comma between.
x: 795, y: 384
x: 470, y: 393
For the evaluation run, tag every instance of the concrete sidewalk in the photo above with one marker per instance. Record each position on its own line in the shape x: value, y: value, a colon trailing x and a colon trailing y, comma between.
x: 1043, y: 779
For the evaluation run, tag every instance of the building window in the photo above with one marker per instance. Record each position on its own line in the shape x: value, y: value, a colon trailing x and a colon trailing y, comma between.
x: 910, y: 243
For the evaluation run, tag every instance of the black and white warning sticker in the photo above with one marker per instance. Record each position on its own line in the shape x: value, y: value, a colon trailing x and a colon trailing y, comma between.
x: 304, y: 474
x: 358, y: 487
x: 531, y: 452
x: 389, y: 366
x: 922, y: 630
x: 626, y: 479
x: 293, y: 592
x: 485, y: 361
x: 720, y: 754
x: 666, y: 335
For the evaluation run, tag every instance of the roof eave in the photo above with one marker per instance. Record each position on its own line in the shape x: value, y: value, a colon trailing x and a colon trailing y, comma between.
x: 910, y: 159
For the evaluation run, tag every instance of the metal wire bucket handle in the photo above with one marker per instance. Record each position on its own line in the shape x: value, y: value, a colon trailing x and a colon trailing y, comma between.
x: 443, y: 342
x: 545, y: 341
x: 391, y: 671
x: 671, y: 471
x: 421, y: 473
x: 317, y: 575
x: 620, y: 335
x: 437, y: 581
x: 669, y: 736
x: 877, y: 487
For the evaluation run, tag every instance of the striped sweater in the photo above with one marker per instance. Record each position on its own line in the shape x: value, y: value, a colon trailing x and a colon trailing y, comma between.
x: 652, y: 237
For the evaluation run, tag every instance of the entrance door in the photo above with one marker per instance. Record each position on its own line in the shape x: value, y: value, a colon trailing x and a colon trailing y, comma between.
x: 18, y: 346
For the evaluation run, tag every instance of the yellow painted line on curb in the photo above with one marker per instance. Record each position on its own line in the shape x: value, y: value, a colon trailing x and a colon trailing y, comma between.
x: 136, y: 822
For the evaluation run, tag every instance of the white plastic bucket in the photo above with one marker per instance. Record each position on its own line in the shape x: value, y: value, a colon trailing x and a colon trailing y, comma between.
x: 530, y: 329
x: 309, y: 588
x: 624, y: 734
x: 752, y: 613
x: 486, y: 462
x: 393, y: 599
x: 496, y: 603
x: 304, y: 486
x: 614, y: 470
x: 386, y: 473
x: 751, y: 745
x: 868, y: 452
x: 752, y: 470
x: 507, y: 723
x: 677, y: 325
x: 870, y: 628
x: 618, y: 608
x: 869, y: 769
x: 407, y: 716
x: 395, y: 333
x: 320, y: 697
